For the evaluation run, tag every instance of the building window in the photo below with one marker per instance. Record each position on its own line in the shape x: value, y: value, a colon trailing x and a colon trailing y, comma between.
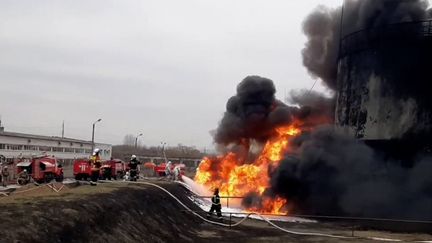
x: 31, y: 147
x: 69, y: 150
x: 44, y: 148
x: 88, y: 151
x: 15, y: 147
x: 79, y: 151
x: 2, y: 146
x: 57, y: 149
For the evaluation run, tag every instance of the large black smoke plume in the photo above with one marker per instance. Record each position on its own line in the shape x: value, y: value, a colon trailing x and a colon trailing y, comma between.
x: 323, y: 29
x: 328, y: 172
x: 333, y: 174
x: 254, y: 112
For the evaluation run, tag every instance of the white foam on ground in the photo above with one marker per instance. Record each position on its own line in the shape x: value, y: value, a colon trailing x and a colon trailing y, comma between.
x: 384, y: 239
x: 12, y: 186
x: 69, y: 181
x: 205, y: 204
x: 195, y: 187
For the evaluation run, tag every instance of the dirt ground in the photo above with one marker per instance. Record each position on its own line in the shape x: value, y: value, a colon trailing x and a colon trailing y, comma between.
x: 124, y: 212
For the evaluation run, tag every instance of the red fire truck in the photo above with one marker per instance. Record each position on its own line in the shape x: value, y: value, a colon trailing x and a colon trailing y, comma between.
x: 39, y: 168
x: 81, y: 169
x: 113, y: 168
x: 160, y: 169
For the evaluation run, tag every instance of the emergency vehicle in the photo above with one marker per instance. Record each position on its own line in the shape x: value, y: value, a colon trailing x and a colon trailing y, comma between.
x: 39, y: 168
x: 81, y: 169
x: 114, y: 169
x: 160, y: 169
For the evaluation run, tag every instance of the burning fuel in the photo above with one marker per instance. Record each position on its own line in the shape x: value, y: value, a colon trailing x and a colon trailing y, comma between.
x: 298, y: 164
x: 234, y: 177
x: 253, y: 136
x: 284, y: 158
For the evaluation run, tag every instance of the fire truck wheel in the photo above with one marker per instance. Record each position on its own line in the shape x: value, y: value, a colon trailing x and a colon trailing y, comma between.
x: 59, y: 178
x: 22, y: 181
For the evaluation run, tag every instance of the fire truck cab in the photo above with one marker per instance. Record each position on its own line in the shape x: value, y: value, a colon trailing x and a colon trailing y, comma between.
x: 113, y: 168
x: 40, y: 169
x: 81, y: 169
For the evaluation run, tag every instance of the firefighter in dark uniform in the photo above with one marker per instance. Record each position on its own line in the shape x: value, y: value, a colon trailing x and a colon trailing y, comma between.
x: 4, y: 175
x: 133, y: 165
x: 95, y: 163
x: 216, y: 205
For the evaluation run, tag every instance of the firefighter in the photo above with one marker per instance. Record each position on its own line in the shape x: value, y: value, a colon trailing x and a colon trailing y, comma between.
x: 95, y: 163
x: 4, y: 175
x: 177, y: 173
x: 216, y: 205
x: 133, y: 165
x: 24, y: 173
x: 126, y: 176
x: 23, y: 177
x: 168, y: 172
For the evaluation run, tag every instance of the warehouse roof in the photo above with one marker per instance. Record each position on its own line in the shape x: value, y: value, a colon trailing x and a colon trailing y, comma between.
x: 51, y: 138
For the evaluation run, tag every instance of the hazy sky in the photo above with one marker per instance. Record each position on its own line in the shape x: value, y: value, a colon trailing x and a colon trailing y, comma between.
x: 163, y: 68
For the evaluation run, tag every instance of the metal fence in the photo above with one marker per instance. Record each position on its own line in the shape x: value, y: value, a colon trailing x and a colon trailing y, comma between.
x: 352, y: 222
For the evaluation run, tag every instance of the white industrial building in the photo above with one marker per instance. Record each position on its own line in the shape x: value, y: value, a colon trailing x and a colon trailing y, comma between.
x: 14, y: 145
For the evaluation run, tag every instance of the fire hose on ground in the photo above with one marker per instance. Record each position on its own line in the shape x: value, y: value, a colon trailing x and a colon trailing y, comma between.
x: 250, y: 214
x: 38, y: 186
x: 51, y: 186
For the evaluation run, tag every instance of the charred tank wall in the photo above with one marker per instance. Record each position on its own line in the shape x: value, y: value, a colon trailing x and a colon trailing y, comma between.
x: 384, y: 83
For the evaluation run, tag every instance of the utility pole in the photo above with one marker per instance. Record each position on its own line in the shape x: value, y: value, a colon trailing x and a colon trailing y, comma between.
x: 1, y: 127
x: 63, y: 129
x: 163, y: 151
x: 136, y: 140
x: 93, y: 131
x: 341, y: 29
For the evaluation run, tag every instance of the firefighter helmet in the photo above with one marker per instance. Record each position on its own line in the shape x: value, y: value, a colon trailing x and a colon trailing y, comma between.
x: 96, y: 151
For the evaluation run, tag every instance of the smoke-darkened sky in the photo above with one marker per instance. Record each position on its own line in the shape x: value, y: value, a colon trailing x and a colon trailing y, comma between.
x: 163, y: 68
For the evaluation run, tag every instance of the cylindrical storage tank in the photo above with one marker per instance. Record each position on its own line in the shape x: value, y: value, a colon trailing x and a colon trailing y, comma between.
x: 385, y: 82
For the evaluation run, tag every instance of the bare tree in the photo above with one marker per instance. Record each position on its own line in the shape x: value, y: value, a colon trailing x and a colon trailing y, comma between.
x: 179, y: 151
x: 129, y: 140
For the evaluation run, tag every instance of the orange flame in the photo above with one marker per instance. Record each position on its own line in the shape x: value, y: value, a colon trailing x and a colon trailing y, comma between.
x: 233, y: 177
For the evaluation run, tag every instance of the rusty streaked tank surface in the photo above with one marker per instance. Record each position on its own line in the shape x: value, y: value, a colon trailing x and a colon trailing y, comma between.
x: 384, y: 82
